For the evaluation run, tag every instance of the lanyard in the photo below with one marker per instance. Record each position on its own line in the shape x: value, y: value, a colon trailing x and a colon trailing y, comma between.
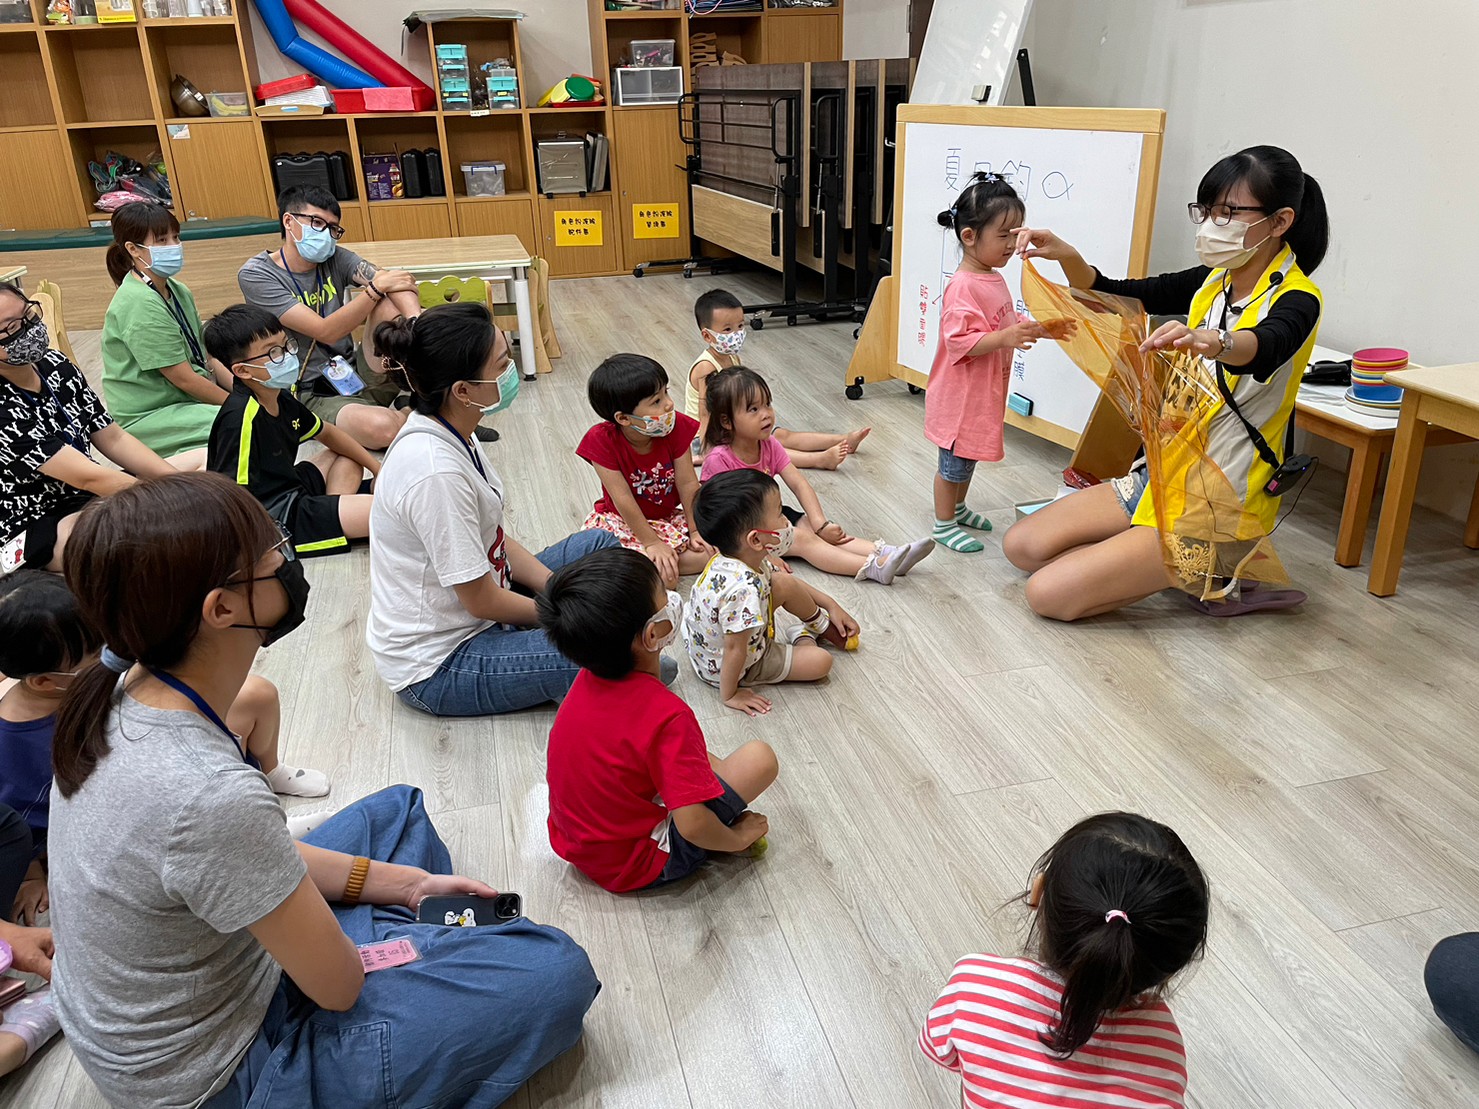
x: 318, y: 289
x: 467, y: 446
x: 199, y: 702
x: 197, y: 356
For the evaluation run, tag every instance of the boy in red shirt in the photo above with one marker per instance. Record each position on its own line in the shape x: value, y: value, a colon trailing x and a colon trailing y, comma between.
x: 635, y: 797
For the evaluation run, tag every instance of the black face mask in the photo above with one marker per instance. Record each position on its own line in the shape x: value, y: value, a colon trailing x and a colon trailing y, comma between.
x: 290, y: 573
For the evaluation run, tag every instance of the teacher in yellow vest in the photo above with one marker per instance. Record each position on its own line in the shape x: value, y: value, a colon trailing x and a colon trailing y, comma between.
x: 1251, y: 309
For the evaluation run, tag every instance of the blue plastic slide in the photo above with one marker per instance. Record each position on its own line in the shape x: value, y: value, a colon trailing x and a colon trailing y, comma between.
x: 319, y: 62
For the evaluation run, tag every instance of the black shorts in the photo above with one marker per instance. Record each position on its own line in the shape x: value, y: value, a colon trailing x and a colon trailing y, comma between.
x: 312, y: 516
x: 794, y: 515
x: 36, y: 543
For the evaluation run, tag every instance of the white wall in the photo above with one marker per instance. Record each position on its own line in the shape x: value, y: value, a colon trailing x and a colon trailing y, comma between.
x: 1376, y: 100
x: 875, y: 29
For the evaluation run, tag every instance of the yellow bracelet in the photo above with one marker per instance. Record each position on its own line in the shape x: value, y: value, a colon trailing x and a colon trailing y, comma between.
x: 356, y: 884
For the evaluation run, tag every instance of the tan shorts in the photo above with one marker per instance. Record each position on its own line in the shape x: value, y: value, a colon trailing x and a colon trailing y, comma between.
x: 771, y: 668
x: 379, y: 390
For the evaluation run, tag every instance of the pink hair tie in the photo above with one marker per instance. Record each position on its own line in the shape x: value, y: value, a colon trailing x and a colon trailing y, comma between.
x: 1116, y: 914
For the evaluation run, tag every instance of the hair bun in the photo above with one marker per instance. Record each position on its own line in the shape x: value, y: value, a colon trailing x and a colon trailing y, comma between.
x: 946, y: 218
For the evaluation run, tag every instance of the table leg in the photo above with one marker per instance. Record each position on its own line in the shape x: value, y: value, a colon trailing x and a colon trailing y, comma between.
x: 1360, y: 491
x: 1471, y: 529
x: 1396, y: 506
x: 528, y: 336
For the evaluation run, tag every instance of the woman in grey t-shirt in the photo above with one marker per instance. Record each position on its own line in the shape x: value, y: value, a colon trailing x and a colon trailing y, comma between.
x: 203, y: 957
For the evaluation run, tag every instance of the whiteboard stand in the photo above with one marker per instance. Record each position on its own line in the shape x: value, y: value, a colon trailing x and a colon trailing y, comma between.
x: 1090, y: 174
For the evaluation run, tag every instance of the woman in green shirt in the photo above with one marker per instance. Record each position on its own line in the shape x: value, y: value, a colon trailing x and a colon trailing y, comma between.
x: 158, y: 381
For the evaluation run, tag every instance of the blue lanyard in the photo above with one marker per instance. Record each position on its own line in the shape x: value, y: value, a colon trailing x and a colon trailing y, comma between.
x: 197, y: 357
x: 467, y: 446
x: 199, y: 702
x: 71, y: 433
x: 303, y: 296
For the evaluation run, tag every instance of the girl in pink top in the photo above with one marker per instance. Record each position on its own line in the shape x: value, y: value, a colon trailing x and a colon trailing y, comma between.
x: 741, y: 436
x: 965, y: 406
x: 1120, y: 908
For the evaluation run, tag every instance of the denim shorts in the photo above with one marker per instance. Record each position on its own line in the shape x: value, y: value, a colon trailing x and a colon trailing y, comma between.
x: 954, y: 468
x: 683, y: 857
x: 1129, y: 489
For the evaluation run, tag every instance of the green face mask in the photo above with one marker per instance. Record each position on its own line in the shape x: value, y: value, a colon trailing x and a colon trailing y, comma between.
x: 508, y: 390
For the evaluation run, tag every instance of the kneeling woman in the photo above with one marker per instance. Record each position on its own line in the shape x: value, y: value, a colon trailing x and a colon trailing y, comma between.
x: 1254, y: 314
x: 199, y: 958
x: 452, y: 620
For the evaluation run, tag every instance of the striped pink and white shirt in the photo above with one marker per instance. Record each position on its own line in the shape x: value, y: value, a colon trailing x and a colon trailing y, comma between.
x: 987, y: 1027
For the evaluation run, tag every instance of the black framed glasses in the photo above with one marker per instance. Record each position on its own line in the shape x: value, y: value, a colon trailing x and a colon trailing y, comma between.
x: 1219, y: 214
x: 277, y: 355
x: 30, y: 317
x: 318, y: 223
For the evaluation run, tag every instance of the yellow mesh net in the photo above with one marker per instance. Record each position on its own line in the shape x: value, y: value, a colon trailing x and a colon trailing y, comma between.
x: 1209, y: 538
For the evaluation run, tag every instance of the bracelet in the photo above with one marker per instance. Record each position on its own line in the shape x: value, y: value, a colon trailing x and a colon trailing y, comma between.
x: 356, y: 884
x: 370, y: 285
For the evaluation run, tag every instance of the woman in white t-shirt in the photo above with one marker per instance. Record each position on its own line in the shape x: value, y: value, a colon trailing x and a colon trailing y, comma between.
x: 452, y: 622
x: 202, y: 957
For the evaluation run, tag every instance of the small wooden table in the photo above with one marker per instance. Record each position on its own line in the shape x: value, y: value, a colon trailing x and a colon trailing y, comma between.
x: 1435, y: 399
x: 492, y: 257
x: 12, y: 274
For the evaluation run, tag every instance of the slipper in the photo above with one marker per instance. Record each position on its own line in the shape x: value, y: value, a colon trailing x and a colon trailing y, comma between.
x: 1251, y: 599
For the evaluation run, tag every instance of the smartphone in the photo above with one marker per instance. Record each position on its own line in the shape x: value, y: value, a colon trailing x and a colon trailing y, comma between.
x: 466, y: 911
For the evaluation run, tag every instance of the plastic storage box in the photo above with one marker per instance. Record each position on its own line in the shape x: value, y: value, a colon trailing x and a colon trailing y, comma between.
x: 224, y: 105
x: 484, y: 178
x: 649, y: 84
x: 561, y: 165
x: 653, y: 52
x: 503, y: 86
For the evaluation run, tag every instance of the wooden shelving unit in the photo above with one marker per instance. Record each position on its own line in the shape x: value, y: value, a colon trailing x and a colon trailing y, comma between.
x: 73, y: 93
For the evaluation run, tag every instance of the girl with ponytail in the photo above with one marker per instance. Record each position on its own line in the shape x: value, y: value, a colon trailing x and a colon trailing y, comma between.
x: 203, y: 956
x: 1120, y: 909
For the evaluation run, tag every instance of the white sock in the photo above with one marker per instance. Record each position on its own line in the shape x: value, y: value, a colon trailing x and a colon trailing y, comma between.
x: 33, y: 1019
x: 294, y: 781
x: 303, y: 821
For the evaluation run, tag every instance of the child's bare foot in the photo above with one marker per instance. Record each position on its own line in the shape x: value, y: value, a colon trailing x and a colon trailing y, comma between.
x: 833, y: 457
x: 854, y: 438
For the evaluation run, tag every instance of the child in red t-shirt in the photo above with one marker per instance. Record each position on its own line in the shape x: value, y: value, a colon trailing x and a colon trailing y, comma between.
x: 635, y: 797
x: 640, y: 453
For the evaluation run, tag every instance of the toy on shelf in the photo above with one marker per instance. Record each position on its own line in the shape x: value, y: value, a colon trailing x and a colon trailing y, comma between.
x: 574, y: 91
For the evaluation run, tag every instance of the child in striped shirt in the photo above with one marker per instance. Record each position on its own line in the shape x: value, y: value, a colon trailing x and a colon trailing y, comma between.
x: 1121, y: 908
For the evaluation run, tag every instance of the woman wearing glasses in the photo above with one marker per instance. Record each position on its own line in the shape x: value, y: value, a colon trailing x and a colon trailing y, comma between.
x: 1261, y: 228
x: 158, y: 379
x: 307, y: 284
x: 50, y: 419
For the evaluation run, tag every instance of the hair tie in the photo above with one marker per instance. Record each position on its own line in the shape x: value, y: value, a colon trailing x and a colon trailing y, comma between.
x: 1116, y: 914
x: 953, y: 210
x: 114, y: 661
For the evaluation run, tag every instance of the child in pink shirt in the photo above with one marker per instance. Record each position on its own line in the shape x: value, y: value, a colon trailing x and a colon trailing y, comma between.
x: 965, y: 406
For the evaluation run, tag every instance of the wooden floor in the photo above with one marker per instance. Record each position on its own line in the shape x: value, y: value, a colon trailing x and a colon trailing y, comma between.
x: 1321, y: 765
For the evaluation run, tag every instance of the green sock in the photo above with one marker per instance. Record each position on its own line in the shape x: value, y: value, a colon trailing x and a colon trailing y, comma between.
x: 968, y: 519
x: 949, y: 534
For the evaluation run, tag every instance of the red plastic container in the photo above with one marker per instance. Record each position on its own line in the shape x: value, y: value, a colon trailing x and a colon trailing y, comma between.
x: 301, y: 83
x: 403, y: 99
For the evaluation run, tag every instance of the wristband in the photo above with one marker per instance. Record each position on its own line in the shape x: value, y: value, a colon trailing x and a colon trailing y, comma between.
x: 356, y: 884
x: 370, y: 285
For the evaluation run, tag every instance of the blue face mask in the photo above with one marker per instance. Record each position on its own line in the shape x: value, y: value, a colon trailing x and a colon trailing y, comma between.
x: 280, y: 375
x: 315, y: 246
x: 508, y: 390
x: 167, y: 260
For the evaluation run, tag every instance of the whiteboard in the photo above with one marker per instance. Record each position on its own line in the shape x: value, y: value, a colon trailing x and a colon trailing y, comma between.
x: 1082, y: 184
x: 969, y: 43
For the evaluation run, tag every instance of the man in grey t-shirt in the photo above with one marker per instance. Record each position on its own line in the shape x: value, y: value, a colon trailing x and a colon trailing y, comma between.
x: 307, y: 286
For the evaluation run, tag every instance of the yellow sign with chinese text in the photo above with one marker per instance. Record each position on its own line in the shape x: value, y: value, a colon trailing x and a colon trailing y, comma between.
x: 654, y: 221
x: 578, y: 228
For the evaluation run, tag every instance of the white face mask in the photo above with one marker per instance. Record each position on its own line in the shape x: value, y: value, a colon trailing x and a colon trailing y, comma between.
x: 783, y: 540
x: 673, y: 613
x: 727, y: 342
x: 656, y: 427
x: 1222, y: 247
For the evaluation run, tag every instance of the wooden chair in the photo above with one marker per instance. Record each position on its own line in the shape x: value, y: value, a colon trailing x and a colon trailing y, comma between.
x: 545, y: 345
x: 49, y: 296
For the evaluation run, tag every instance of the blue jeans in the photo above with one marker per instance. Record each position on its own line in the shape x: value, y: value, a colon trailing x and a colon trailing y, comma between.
x: 1452, y: 979
x: 465, y: 1025
x: 501, y: 670
x: 954, y: 468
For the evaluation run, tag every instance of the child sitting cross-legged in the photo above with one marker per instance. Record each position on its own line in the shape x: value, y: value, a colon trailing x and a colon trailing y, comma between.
x: 635, y: 797
x: 322, y: 504
x: 639, y: 450
x: 732, y: 631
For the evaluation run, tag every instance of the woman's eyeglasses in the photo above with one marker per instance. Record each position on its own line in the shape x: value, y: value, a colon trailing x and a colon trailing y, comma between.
x: 1219, y: 214
x: 29, y: 318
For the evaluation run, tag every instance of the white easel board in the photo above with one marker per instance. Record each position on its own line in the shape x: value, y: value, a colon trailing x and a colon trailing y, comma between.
x: 1088, y: 174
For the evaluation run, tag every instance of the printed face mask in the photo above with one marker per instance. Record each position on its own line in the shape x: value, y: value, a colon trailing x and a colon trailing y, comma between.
x: 27, y: 348
x: 166, y: 260
x: 1222, y: 247
x: 656, y: 427
x: 783, y: 540
x: 508, y: 390
x: 673, y: 612
x: 727, y: 342
x: 315, y: 246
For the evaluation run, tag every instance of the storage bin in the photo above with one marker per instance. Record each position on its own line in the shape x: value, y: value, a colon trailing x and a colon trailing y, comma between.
x: 561, y: 165
x: 224, y: 105
x: 649, y: 84
x: 503, y: 86
x: 484, y: 178
x: 652, y: 52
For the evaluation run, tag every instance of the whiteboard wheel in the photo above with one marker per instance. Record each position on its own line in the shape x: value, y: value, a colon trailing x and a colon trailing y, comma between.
x: 915, y: 390
x: 853, y: 392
